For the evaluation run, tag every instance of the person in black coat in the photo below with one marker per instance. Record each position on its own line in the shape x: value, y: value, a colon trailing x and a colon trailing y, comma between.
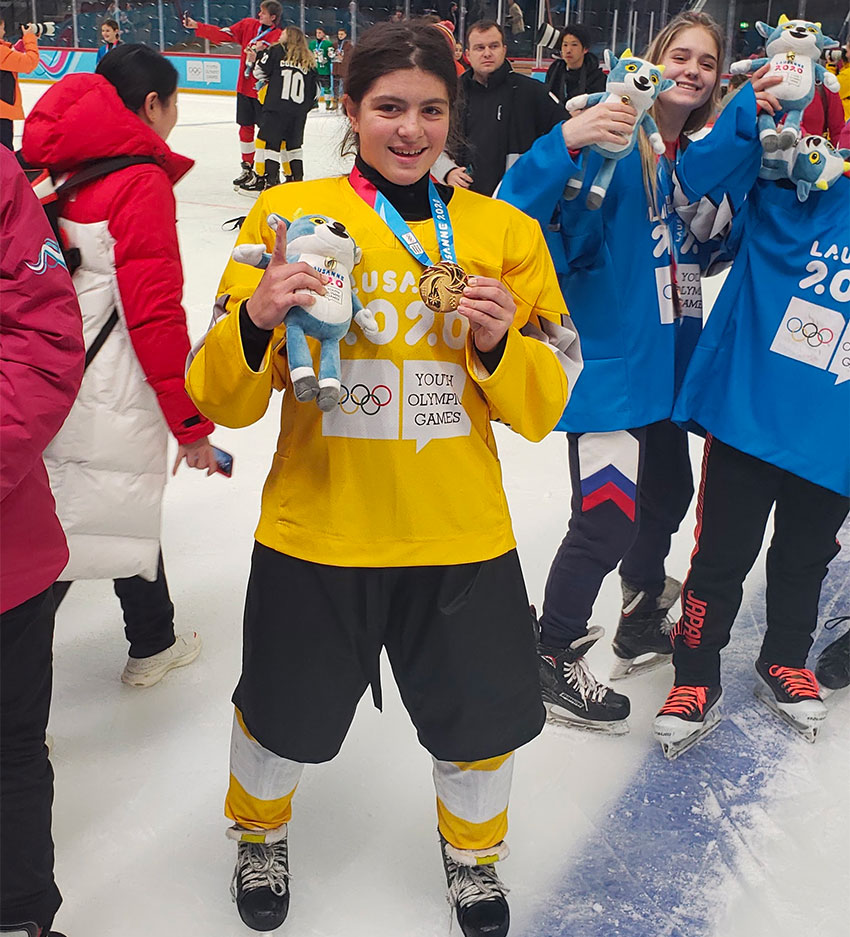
x: 577, y: 71
x: 502, y: 113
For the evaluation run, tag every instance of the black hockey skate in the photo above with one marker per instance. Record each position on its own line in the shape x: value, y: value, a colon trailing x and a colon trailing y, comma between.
x: 272, y: 176
x: 253, y: 186
x: 689, y: 714
x: 794, y: 695
x: 260, y: 885
x: 833, y: 666
x: 642, y: 642
x: 245, y: 175
x: 475, y: 889
x: 572, y: 696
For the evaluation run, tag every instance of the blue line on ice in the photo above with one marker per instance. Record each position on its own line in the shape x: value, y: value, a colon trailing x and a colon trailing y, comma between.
x: 660, y: 863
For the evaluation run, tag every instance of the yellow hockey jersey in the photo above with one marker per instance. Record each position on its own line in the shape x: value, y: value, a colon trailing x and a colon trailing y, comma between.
x: 404, y: 472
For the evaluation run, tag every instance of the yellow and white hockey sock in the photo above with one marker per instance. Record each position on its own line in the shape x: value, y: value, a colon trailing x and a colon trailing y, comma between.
x: 261, y: 783
x: 260, y: 158
x: 472, y: 806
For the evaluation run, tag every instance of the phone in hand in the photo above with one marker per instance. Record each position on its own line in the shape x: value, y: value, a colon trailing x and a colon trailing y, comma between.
x: 223, y: 461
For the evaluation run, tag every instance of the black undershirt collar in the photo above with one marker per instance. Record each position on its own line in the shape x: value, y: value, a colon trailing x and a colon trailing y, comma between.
x: 410, y: 201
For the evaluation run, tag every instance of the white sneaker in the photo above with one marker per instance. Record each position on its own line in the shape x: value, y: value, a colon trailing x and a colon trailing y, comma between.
x: 146, y: 671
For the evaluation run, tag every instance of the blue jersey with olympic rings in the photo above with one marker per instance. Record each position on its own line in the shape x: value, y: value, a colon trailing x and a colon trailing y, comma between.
x: 770, y: 374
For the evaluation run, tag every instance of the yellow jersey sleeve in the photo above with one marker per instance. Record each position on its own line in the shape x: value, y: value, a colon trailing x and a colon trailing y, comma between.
x: 542, y: 359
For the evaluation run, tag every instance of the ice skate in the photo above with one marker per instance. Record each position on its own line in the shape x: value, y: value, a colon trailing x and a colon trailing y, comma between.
x: 642, y: 642
x: 260, y: 885
x: 146, y: 671
x: 688, y: 715
x: 475, y: 890
x: 253, y: 186
x: 793, y: 694
x: 245, y: 175
x: 833, y: 665
x: 573, y: 697
x: 272, y: 177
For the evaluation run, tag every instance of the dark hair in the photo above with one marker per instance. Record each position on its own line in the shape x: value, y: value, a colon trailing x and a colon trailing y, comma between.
x: 580, y: 32
x: 484, y: 26
x: 394, y: 47
x: 273, y: 7
x: 112, y: 24
x: 135, y: 70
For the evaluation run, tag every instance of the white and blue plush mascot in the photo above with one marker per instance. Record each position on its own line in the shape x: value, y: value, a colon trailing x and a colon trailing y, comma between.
x: 793, y: 49
x: 325, y: 245
x: 814, y: 163
x: 633, y: 81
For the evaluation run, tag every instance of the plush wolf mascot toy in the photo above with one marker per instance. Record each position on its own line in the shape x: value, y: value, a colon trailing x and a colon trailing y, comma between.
x: 326, y: 246
x: 634, y: 81
x: 814, y: 163
x: 793, y: 49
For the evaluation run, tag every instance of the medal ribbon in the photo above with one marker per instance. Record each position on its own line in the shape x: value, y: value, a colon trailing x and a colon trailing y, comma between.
x: 264, y: 31
x: 400, y: 228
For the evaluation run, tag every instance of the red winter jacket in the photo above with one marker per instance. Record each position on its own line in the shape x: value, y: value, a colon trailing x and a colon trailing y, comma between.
x: 819, y: 122
x: 244, y: 32
x: 41, y: 366
x: 81, y: 118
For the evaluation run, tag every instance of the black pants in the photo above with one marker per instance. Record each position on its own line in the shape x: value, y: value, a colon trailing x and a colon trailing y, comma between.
x: 148, y: 611
x: 249, y: 111
x: 736, y: 495
x: 630, y: 491
x: 28, y: 891
x: 7, y: 134
x: 459, y: 639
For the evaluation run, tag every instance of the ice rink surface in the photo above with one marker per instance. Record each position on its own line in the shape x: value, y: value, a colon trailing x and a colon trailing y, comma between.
x: 747, y: 835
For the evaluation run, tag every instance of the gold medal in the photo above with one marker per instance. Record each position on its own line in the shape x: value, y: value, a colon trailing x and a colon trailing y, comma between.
x: 441, y: 286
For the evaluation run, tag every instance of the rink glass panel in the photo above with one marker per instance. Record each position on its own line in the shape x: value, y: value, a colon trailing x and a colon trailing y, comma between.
x: 611, y: 23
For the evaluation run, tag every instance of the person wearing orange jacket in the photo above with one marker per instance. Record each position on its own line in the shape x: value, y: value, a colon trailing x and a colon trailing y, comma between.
x: 12, y: 63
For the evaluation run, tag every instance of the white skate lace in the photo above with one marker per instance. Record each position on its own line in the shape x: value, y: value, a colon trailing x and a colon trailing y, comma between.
x: 580, y: 676
x: 471, y: 884
x: 261, y: 866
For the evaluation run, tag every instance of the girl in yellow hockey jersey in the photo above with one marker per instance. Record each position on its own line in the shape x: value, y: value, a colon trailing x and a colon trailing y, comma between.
x: 384, y: 522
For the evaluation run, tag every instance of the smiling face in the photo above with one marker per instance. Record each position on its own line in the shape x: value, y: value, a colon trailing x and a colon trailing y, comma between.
x: 572, y: 51
x: 109, y: 34
x: 486, y: 51
x: 402, y: 123
x: 690, y: 62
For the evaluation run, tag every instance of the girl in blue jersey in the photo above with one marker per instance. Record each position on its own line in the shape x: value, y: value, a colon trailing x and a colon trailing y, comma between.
x: 629, y: 465
x: 769, y: 383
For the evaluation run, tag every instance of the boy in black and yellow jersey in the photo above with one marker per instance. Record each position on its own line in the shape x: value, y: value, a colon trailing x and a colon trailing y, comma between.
x: 384, y: 522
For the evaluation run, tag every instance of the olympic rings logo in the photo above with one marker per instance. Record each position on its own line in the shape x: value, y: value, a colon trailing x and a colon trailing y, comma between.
x: 809, y: 332
x: 359, y: 397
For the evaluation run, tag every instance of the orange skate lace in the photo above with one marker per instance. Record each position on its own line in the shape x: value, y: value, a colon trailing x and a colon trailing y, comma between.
x: 684, y: 700
x: 796, y: 682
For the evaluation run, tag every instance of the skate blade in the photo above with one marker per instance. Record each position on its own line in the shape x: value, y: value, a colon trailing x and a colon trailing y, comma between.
x: 807, y: 731
x: 635, y: 666
x: 672, y: 750
x: 557, y: 718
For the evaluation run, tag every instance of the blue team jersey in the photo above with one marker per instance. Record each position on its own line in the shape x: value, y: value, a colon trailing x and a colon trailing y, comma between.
x: 770, y: 374
x: 616, y: 274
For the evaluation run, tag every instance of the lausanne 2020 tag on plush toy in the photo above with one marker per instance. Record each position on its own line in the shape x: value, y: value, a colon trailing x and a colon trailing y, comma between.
x: 325, y: 245
x: 793, y: 49
x: 633, y: 81
x: 814, y: 163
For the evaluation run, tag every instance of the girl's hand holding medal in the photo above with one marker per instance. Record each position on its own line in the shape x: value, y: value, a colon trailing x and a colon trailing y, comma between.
x: 490, y: 309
